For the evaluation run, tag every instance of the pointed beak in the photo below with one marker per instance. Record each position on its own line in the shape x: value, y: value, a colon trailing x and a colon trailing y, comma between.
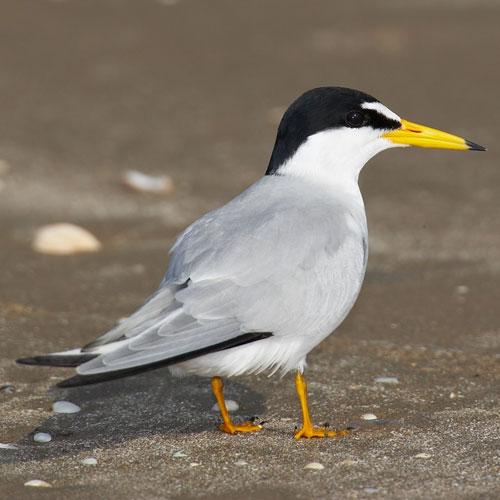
x: 413, y: 134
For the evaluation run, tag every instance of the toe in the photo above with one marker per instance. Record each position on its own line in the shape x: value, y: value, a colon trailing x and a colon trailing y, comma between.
x: 245, y: 427
x: 320, y: 432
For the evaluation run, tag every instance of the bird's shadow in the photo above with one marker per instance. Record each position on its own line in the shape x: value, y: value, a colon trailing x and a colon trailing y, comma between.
x: 147, y: 404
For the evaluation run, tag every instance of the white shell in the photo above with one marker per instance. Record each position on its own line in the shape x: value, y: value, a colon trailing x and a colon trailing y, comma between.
x: 147, y: 183
x: 314, y: 466
x: 387, y: 380
x: 89, y: 461
x: 38, y: 483
x: 179, y: 454
x: 64, y: 239
x: 65, y: 407
x: 369, y: 416
x: 348, y: 461
x: 240, y: 463
x: 424, y: 456
x: 42, y: 437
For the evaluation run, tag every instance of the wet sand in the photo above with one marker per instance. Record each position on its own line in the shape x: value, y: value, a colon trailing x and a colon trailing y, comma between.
x: 194, y: 90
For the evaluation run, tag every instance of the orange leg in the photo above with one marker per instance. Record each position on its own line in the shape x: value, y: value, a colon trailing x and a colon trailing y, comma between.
x: 308, y: 430
x: 227, y: 425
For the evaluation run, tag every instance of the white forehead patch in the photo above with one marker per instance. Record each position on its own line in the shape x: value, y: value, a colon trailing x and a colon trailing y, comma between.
x: 383, y: 110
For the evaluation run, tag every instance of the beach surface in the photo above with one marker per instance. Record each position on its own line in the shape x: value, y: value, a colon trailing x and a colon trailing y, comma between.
x: 194, y: 90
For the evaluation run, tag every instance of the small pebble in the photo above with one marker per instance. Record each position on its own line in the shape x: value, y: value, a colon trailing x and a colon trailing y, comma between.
x: 89, y: 461
x: 38, y: 483
x: 7, y: 389
x: 371, y: 490
x: 240, y: 463
x: 7, y: 446
x: 424, y: 456
x: 179, y: 454
x: 348, y: 462
x: 452, y: 395
x: 462, y: 289
x: 230, y: 405
x: 194, y: 464
x: 369, y: 416
x: 42, y: 437
x: 144, y: 183
x: 64, y: 239
x: 314, y: 466
x: 386, y: 380
x: 65, y: 407
x: 353, y: 426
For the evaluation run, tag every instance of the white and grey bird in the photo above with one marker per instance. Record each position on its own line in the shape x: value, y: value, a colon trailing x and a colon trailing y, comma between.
x: 255, y: 285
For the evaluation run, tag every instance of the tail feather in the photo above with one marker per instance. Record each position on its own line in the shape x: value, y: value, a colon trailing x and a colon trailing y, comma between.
x: 66, y: 360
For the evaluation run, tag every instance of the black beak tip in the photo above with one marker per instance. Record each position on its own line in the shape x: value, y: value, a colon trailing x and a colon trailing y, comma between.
x: 474, y: 147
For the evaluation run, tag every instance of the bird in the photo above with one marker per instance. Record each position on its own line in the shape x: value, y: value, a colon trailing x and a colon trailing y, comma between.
x: 255, y: 285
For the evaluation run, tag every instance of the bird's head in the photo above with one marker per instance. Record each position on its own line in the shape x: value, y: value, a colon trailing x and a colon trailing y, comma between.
x: 336, y: 130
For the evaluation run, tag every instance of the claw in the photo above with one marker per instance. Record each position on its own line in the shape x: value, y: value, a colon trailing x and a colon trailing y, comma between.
x: 319, y: 432
x: 236, y: 428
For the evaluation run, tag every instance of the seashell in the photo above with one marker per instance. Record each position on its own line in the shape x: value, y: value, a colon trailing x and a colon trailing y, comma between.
x: 64, y: 239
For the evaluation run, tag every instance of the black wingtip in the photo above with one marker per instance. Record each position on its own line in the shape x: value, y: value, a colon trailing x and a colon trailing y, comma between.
x: 61, y: 361
x: 474, y: 147
x: 27, y: 361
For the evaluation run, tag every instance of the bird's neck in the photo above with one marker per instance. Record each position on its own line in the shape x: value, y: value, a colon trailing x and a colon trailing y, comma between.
x: 332, y: 164
x: 332, y: 158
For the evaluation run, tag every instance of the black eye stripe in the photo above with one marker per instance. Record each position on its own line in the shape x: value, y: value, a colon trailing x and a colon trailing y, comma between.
x: 355, y: 119
x: 371, y: 118
x: 380, y: 121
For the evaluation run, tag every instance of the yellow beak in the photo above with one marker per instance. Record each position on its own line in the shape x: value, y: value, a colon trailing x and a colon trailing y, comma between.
x: 413, y: 134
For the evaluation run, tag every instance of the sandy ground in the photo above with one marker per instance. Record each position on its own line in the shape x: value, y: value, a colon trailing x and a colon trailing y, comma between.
x: 194, y: 89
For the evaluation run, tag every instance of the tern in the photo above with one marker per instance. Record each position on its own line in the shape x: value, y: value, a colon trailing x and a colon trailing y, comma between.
x: 255, y: 285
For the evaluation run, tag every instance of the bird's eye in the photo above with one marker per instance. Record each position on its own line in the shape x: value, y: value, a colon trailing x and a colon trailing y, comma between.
x: 355, y: 119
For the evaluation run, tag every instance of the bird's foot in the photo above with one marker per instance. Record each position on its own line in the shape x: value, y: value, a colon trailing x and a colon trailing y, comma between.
x: 320, y: 432
x: 231, y: 428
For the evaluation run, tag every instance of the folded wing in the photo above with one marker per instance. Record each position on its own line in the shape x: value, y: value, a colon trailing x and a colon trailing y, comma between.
x: 244, y: 271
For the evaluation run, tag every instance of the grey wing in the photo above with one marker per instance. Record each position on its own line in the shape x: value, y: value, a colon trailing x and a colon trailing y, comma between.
x: 159, y: 305
x: 172, y: 336
x: 240, y: 269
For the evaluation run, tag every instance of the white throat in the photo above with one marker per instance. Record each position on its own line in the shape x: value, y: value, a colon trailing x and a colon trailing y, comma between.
x: 335, y: 156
